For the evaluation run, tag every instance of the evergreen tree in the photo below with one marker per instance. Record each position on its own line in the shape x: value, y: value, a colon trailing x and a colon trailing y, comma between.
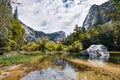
x: 16, y: 13
x: 115, y: 14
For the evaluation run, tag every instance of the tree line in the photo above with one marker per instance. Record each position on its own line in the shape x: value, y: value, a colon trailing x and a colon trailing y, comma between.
x: 107, y: 34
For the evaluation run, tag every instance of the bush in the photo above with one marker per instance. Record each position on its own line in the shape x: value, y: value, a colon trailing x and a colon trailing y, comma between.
x: 31, y: 46
x: 75, y: 47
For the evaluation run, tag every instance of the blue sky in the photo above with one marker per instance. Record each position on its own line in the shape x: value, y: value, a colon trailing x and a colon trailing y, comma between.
x: 54, y: 15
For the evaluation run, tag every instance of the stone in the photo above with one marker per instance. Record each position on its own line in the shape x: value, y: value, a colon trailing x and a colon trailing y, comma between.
x: 97, y: 52
x: 84, y: 53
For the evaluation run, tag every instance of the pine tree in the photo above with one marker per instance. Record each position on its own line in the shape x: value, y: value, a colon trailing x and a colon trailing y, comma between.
x: 115, y: 14
x: 16, y: 13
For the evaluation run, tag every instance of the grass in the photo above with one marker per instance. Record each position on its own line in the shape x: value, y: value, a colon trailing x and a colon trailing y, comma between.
x: 19, y: 59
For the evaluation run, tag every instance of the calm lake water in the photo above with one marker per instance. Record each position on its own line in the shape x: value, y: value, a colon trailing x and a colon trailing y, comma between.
x: 114, y: 58
x: 67, y: 72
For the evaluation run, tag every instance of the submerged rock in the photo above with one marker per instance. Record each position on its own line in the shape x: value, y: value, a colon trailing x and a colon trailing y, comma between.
x: 97, y: 52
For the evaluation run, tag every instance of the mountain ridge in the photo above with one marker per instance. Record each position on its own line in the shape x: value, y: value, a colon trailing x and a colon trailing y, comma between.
x: 34, y: 35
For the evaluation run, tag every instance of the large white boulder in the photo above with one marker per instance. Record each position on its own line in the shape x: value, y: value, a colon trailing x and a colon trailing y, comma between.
x: 97, y: 52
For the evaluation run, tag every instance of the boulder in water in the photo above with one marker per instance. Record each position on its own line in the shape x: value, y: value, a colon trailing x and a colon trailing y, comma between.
x: 97, y: 52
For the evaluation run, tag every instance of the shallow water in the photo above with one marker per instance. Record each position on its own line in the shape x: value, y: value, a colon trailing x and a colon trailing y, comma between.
x: 115, y: 58
x: 66, y: 73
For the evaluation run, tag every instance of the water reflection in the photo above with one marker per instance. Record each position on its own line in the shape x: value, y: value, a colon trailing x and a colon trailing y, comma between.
x: 98, y: 59
x: 66, y: 73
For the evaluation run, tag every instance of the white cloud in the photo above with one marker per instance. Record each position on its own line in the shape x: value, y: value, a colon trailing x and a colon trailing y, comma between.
x: 52, y: 15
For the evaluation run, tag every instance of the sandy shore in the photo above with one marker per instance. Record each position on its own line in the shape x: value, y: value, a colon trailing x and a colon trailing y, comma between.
x: 90, y: 71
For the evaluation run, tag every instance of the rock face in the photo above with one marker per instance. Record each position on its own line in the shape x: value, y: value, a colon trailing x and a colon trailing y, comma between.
x: 33, y: 35
x: 98, y: 15
x: 97, y: 52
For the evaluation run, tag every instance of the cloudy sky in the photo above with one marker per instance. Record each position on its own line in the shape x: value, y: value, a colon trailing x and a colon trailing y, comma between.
x: 54, y: 15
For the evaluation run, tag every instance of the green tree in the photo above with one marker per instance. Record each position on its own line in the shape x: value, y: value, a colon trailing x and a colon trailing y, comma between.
x: 5, y: 21
x: 51, y: 46
x: 30, y: 46
x: 42, y: 42
x: 16, y: 13
x: 17, y: 33
x: 75, y: 47
x: 12, y: 44
x: 116, y: 35
x: 115, y: 14
x: 60, y: 47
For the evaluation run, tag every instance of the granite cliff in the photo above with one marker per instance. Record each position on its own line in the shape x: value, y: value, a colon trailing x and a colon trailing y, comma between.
x: 33, y: 35
x: 99, y: 14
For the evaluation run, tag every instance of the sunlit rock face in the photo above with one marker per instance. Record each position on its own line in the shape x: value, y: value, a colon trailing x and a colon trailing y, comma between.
x: 99, y: 14
x: 97, y: 53
x: 50, y: 74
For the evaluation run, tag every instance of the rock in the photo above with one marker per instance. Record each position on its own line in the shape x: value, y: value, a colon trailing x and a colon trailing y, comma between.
x: 98, y: 15
x: 84, y: 53
x: 97, y: 52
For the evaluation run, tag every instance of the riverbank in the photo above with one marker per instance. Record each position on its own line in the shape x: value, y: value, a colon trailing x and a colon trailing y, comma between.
x: 13, y: 58
x: 15, y: 72
x: 13, y: 67
x: 88, y: 71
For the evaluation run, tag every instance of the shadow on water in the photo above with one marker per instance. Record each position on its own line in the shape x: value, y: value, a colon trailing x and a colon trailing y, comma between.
x: 114, y: 58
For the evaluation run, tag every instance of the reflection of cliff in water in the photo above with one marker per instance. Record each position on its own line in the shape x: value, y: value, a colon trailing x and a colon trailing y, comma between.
x: 64, y: 64
x: 66, y: 73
